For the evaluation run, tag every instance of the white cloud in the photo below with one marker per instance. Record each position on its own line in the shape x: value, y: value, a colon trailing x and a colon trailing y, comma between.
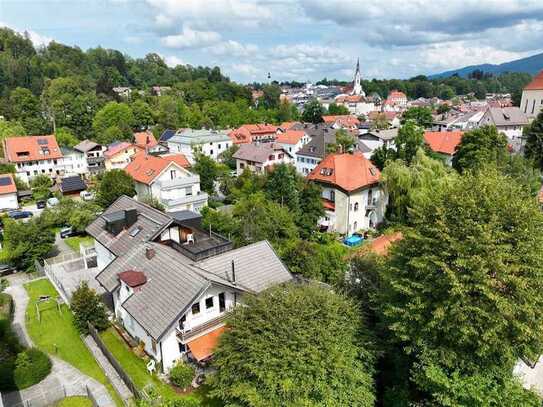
x: 190, y: 38
x: 37, y: 39
x: 172, y: 61
x: 234, y: 48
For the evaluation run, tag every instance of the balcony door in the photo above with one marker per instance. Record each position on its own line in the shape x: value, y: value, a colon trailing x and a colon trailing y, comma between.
x: 222, y: 302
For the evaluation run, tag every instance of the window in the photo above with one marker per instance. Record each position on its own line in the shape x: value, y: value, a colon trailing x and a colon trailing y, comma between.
x: 209, y: 303
x: 355, y: 226
x: 533, y: 106
x: 182, y: 347
x: 356, y: 206
x: 333, y: 196
x: 172, y: 174
x: 241, y: 165
x: 219, y: 147
x: 188, y: 191
x: 222, y: 302
x: 210, y: 152
x: 195, y: 309
x: 271, y: 157
x: 153, y: 345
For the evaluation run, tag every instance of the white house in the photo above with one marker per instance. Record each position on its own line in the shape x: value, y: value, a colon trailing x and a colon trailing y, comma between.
x: 211, y: 143
x: 351, y: 192
x: 531, y: 102
x: 260, y: 158
x: 167, y: 179
x: 94, y: 154
x: 8, y: 193
x: 292, y: 140
x: 34, y: 155
x: 74, y: 161
x: 171, y: 283
x: 509, y: 121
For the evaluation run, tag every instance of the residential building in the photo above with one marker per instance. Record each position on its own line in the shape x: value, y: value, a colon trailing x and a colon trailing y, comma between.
x: 168, y: 180
x: 94, y: 154
x: 352, y: 196
x: 347, y: 122
x: 73, y: 161
x: 123, y: 92
x: 260, y: 158
x: 172, y: 284
x: 145, y: 140
x: 8, y: 193
x: 254, y: 133
x: 531, y: 102
x: 395, y: 102
x: 443, y: 143
x: 458, y: 121
x: 118, y: 155
x: 311, y: 154
x: 34, y: 155
x: 391, y: 117
x: 509, y: 121
x: 292, y: 140
x: 210, y: 143
x: 369, y: 141
x: 72, y: 186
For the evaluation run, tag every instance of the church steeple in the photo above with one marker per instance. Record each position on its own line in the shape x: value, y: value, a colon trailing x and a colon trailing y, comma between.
x: 357, y: 87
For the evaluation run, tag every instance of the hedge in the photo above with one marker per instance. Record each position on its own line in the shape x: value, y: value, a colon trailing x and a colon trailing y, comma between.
x: 31, y: 367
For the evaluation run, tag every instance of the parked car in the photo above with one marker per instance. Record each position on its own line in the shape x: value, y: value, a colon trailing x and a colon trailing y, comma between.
x: 69, y: 231
x: 52, y: 202
x: 86, y: 195
x: 6, y: 270
x: 41, y: 204
x: 20, y: 214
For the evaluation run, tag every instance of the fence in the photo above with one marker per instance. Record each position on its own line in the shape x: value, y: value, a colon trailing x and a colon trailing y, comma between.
x: 118, y: 368
x: 47, y: 397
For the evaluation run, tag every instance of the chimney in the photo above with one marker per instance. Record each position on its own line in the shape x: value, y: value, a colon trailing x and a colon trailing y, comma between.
x: 130, y: 217
x: 149, y: 253
x: 233, y: 273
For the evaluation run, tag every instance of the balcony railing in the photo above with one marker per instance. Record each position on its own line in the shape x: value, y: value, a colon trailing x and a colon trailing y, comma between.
x: 198, y: 197
x: 186, y: 335
x: 95, y: 160
x: 372, y: 204
x: 180, y: 182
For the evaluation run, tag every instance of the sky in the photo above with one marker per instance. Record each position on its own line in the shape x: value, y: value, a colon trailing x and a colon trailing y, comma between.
x: 303, y: 40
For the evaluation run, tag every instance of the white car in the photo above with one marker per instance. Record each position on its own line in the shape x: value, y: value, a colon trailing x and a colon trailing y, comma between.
x: 86, y: 195
x: 52, y: 202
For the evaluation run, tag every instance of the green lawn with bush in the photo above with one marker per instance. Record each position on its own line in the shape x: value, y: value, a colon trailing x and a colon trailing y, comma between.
x: 57, y: 335
x: 74, y: 242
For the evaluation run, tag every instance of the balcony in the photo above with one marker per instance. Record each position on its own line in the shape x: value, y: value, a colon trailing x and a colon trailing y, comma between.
x: 205, y: 245
x: 200, y: 197
x: 372, y: 204
x: 186, y: 335
x: 95, y: 160
x: 180, y: 182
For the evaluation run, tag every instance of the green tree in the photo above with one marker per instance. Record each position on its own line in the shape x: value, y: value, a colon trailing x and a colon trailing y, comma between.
x: 171, y: 113
x: 443, y: 108
x: 410, y: 138
x: 335, y: 109
x: 10, y: 129
x: 113, y: 185
x: 208, y: 170
x: 270, y: 99
x: 142, y: 113
x: 83, y: 215
x: 153, y: 202
x: 321, y: 362
x: 479, y: 148
x: 381, y: 155
x: 313, y: 112
x: 311, y: 208
x: 345, y: 142
x: 24, y: 106
x: 533, y: 134
x: 287, y: 112
x: 113, y: 115
x: 87, y: 307
x: 283, y: 186
x: 66, y: 138
x: 422, y: 116
x: 463, y: 288
x: 380, y: 122
x: 41, y: 187
x: 227, y: 156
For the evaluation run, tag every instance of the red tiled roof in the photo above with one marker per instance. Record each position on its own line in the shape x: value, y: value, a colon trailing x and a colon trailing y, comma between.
x: 396, y: 94
x: 288, y: 125
x: 347, y: 171
x: 244, y: 134
x: 344, y: 120
x: 8, y: 186
x: 536, y: 83
x: 290, y: 137
x: 145, y: 168
x: 349, y: 98
x: 145, y: 139
x: 133, y: 278
x: 444, y: 142
x: 31, y: 148
x: 389, y: 115
x: 118, y: 147
x: 204, y: 346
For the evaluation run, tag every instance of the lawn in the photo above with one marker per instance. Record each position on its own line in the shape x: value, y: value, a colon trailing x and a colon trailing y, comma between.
x: 75, y: 401
x: 136, y: 368
x: 75, y: 241
x: 56, y: 334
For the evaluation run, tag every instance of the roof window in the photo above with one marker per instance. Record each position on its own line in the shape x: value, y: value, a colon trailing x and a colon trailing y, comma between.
x: 327, y: 171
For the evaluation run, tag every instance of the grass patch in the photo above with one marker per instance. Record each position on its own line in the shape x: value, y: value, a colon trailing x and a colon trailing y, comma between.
x: 75, y: 401
x: 57, y: 335
x: 136, y: 368
x: 74, y: 242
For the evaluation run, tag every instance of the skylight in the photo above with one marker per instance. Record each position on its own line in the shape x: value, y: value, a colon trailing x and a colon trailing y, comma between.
x: 134, y: 232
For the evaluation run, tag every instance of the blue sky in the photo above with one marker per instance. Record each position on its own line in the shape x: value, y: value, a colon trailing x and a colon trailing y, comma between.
x: 293, y: 39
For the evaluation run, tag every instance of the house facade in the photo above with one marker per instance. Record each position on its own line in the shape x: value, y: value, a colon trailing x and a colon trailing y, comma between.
x: 34, y: 155
x: 508, y: 120
x: 94, y: 155
x: 311, y: 154
x: 352, y: 196
x: 260, y: 158
x: 168, y: 180
x: 74, y: 161
x: 210, y: 143
x: 8, y: 193
x: 531, y: 102
x: 254, y: 133
x: 171, y: 283
x: 118, y: 155
x: 292, y: 140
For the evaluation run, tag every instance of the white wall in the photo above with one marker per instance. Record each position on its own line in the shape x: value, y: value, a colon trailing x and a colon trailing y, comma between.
x: 103, y: 255
x: 212, y: 149
x: 306, y: 164
x: 9, y: 201
x: 532, y: 102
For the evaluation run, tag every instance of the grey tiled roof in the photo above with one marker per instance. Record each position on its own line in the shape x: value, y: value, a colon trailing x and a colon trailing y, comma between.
x: 85, y: 145
x: 251, y: 152
x: 257, y: 266
x: 507, y: 116
x: 150, y: 220
x: 317, y: 146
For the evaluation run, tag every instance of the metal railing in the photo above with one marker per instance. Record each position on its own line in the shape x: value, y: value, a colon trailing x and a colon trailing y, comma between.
x: 116, y: 365
x: 50, y: 396
x: 186, y: 334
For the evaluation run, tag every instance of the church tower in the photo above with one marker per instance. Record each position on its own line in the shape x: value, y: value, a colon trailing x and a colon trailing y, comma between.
x: 357, y: 87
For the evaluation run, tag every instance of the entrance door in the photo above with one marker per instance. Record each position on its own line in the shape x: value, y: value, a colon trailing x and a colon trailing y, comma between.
x: 222, y: 302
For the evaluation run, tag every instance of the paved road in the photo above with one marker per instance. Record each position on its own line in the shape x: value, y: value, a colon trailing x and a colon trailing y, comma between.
x: 64, y: 379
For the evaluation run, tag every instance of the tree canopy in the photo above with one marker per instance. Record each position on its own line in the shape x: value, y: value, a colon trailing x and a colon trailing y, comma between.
x: 113, y: 185
x: 480, y: 147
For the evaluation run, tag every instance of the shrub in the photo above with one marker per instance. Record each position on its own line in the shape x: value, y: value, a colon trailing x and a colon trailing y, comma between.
x: 31, y: 367
x: 87, y: 307
x: 181, y: 375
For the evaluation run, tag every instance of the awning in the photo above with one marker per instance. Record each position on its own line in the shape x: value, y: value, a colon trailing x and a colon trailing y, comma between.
x: 203, y: 346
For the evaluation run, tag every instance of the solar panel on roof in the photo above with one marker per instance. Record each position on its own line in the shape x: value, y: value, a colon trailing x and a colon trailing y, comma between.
x: 42, y: 141
x: 5, y: 181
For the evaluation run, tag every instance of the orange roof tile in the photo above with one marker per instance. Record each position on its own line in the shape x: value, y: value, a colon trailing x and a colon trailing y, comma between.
x: 145, y: 139
x: 345, y: 120
x: 116, y: 148
x: 346, y: 171
x: 31, y: 148
x: 288, y: 125
x: 397, y: 94
x: 145, y: 168
x: 290, y: 137
x: 7, y: 184
x: 536, y: 83
x: 444, y: 142
x: 204, y: 346
x: 245, y: 133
